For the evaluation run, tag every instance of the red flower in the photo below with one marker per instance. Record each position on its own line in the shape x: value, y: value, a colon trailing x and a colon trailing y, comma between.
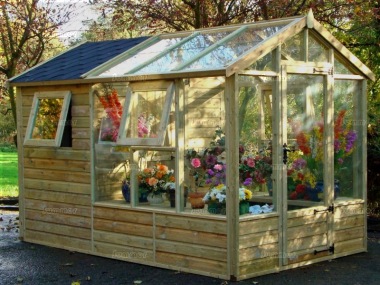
x: 302, y: 143
x: 300, y: 189
x: 293, y: 195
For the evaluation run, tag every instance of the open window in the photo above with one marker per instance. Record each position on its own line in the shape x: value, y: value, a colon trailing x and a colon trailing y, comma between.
x: 145, y: 116
x: 47, y: 118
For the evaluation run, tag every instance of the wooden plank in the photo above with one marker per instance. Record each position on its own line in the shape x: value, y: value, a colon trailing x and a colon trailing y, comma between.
x: 178, y: 222
x: 81, y: 133
x: 60, y: 219
x: 132, y: 254
x: 81, y: 122
x: 82, y: 144
x: 56, y: 153
x: 349, y: 222
x: 80, y: 110
x: 349, y: 234
x: 75, y: 199
x: 306, y: 230
x: 57, y: 207
x: 347, y: 211
x: 189, y: 262
x: 59, y: 186
x: 307, y: 242
x: 349, y: 245
x: 75, y: 89
x: 123, y: 215
x: 123, y: 239
x: 123, y: 227
x: 57, y: 175
x: 258, y: 252
x: 194, y: 250
x: 68, y: 165
x: 193, y: 237
x: 61, y: 230
x: 299, y: 257
x: 58, y: 240
x: 257, y: 239
x: 305, y: 220
x: 257, y: 266
x: 259, y: 225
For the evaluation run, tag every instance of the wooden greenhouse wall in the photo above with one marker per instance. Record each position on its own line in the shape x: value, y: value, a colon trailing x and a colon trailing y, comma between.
x: 55, y: 203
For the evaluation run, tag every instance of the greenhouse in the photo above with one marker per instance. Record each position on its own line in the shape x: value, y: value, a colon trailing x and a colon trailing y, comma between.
x: 230, y: 152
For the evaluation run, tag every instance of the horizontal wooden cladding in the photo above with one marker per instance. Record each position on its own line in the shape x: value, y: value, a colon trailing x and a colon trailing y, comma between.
x: 68, y: 198
x: 349, y: 210
x: 51, y: 208
x: 58, y: 175
x: 307, y: 242
x: 76, y: 88
x: 252, y: 240
x: 132, y: 254
x: 123, y: 215
x: 193, y: 224
x: 81, y: 133
x: 302, y: 256
x: 55, y: 164
x: 307, y: 219
x: 62, y: 230
x: 258, y: 252
x: 58, y: 186
x: 349, y: 234
x: 80, y: 111
x: 306, y: 230
x: 56, y: 153
x: 181, y: 248
x: 192, y: 237
x: 349, y: 245
x: 58, y: 218
x: 349, y: 222
x: 192, y: 263
x: 123, y: 240
x: 82, y: 144
x: 258, y: 225
x: 123, y: 227
x: 57, y: 240
x: 257, y: 266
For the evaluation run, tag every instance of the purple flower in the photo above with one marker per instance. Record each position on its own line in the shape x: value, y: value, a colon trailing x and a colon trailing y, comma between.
x: 247, y: 181
x: 350, y: 140
x: 336, y: 145
x: 210, y: 159
x: 210, y: 172
x: 299, y: 163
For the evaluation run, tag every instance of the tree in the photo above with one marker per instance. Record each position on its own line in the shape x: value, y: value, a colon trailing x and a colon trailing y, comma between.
x: 27, y: 30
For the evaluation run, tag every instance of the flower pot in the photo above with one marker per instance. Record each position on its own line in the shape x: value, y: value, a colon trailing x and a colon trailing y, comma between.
x: 316, y: 193
x: 216, y: 208
x: 126, y: 191
x: 196, y: 200
x: 243, y: 207
x: 155, y: 199
x: 171, y: 193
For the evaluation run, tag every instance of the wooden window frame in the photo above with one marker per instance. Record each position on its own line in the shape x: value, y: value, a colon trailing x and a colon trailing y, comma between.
x: 56, y: 142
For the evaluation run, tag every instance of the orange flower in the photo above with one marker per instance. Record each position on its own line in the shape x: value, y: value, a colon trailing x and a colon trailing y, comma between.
x: 302, y: 143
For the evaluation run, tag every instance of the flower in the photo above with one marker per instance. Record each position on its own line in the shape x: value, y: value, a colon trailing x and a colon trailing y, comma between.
x: 217, y: 194
x: 255, y: 170
x: 245, y: 194
x: 156, y: 178
x: 114, y: 110
x: 144, y: 124
x: 196, y: 162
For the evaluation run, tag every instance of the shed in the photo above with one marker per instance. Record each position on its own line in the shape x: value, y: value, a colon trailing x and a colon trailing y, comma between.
x: 230, y: 152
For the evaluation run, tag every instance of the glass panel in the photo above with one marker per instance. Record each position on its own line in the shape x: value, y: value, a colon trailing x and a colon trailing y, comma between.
x: 305, y: 140
x: 346, y: 160
x: 340, y: 68
x: 47, y: 119
x: 145, y: 114
x: 317, y: 52
x: 292, y: 48
x: 205, y: 158
x: 140, y: 57
x: 264, y: 63
x: 184, y: 52
x: 255, y: 131
x: 229, y: 51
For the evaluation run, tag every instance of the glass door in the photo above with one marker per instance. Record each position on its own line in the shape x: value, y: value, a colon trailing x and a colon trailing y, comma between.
x: 307, y: 220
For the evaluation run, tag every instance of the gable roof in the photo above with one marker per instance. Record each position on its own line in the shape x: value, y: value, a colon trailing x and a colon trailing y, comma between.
x: 73, y: 63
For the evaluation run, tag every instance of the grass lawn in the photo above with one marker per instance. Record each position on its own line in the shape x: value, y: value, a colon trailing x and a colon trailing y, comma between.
x: 8, y: 174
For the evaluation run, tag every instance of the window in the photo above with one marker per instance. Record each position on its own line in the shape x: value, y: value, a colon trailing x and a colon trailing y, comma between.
x: 47, y: 118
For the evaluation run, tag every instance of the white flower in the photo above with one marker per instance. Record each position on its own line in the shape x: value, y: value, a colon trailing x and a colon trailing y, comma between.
x: 222, y: 158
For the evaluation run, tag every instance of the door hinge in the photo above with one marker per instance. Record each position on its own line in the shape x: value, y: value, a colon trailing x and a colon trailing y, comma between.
x: 331, y: 250
x: 328, y: 209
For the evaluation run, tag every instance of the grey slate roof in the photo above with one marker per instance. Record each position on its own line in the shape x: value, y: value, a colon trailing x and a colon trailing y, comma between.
x: 77, y: 61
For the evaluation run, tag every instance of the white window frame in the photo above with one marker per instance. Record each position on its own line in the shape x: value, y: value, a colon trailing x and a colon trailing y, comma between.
x: 56, y: 142
x: 129, y: 101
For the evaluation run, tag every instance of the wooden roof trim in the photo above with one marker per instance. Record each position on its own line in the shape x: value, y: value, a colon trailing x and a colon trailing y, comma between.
x: 266, y: 46
x: 343, y: 51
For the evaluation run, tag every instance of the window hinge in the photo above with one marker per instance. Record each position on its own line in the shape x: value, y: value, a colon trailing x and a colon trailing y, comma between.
x: 328, y: 209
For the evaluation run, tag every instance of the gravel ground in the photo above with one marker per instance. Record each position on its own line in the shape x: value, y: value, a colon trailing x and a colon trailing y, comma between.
x: 26, y: 263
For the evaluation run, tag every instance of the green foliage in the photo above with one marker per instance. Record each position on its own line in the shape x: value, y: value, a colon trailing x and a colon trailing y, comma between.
x: 8, y: 174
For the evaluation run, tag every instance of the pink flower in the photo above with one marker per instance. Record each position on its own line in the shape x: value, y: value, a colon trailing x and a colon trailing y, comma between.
x: 250, y: 162
x: 218, y: 167
x: 195, y: 162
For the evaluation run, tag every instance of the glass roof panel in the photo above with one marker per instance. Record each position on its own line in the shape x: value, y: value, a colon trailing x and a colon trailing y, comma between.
x: 229, y: 51
x: 140, y: 57
x: 184, y: 52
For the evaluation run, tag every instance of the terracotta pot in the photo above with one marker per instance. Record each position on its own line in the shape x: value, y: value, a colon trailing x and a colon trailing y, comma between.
x: 196, y: 200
